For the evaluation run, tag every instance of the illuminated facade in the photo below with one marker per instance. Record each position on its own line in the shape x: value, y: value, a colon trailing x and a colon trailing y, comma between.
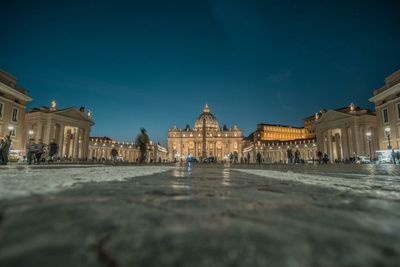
x: 206, y: 139
x: 274, y: 142
x: 387, y: 104
x: 100, y: 150
x: 70, y: 128
x: 346, y: 132
x: 272, y: 132
x: 13, y: 100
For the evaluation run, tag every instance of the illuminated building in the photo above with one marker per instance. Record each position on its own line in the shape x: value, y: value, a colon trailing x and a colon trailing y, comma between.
x: 274, y: 142
x: 70, y: 127
x: 343, y: 133
x: 387, y: 105
x: 100, y: 150
x: 13, y: 100
x: 206, y: 139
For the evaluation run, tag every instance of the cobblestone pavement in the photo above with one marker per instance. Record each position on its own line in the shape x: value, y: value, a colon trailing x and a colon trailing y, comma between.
x: 212, y: 215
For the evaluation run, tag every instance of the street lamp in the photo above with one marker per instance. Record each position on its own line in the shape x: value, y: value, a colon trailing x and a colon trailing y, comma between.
x: 30, y: 133
x: 388, y: 133
x: 369, y: 134
x: 10, y: 129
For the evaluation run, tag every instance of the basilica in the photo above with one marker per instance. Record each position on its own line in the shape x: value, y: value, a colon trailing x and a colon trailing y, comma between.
x: 206, y: 139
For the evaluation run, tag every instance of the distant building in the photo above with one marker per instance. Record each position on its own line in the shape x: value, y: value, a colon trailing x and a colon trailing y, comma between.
x: 346, y: 132
x: 387, y: 105
x: 276, y: 143
x: 70, y: 127
x: 13, y: 100
x: 206, y: 139
x: 100, y: 150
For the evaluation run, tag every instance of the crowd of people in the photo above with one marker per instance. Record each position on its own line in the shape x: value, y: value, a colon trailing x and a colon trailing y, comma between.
x: 35, y: 152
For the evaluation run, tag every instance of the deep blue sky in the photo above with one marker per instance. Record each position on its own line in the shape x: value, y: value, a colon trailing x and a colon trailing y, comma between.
x: 154, y: 64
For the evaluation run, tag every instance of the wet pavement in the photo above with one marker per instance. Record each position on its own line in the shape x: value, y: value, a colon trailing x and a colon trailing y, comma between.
x: 212, y: 215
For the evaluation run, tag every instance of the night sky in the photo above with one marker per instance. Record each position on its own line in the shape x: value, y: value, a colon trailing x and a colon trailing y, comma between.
x: 155, y: 64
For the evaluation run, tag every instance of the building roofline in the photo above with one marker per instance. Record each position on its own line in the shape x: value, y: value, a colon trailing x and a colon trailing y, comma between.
x: 280, y: 125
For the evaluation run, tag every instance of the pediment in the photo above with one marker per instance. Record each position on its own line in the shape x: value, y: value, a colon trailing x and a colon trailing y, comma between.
x: 332, y: 115
x: 72, y: 113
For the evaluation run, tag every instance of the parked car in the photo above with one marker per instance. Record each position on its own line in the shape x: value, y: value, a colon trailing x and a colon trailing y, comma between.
x: 363, y: 160
x: 14, y: 156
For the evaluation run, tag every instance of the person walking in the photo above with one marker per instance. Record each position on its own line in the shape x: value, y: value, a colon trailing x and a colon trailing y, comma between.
x: 394, y: 157
x: 297, y: 156
x: 30, y: 151
x: 114, y: 154
x: 319, y: 156
x: 398, y: 156
x: 259, y: 158
x: 5, y: 150
x: 39, y: 150
x: 53, y: 150
x: 325, y: 159
x: 289, y: 156
x: 248, y: 158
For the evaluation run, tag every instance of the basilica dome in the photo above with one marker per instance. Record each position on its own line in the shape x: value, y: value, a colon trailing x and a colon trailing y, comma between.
x: 210, y: 120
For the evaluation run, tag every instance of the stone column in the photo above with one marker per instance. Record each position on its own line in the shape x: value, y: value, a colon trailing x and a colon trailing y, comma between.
x: 49, y: 134
x: 39, y: 131
x: 60, y: 140
x: 339, y: 149
x: 321, y: 142
x: 75, y: 151
x: 327, y: 143
x: 355, y: 136
x: 345, y: 145
x: 86, y: 143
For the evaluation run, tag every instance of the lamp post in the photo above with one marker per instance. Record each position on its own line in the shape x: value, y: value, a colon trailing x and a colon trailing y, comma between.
x: 30, y: 134
x: 10, y: 130
x: 388, y: 133
x: 369, y: 143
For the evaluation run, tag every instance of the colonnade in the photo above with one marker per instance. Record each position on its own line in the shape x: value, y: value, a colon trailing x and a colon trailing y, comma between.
x: 342, y: 143
x: 72, y: 140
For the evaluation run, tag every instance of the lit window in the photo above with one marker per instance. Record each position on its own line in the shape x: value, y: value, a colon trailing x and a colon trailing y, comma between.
x: 14, y: 117
x: 385, y: 115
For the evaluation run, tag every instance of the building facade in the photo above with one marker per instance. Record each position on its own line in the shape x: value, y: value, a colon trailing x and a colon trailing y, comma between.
x: 206, y: 139
x: 100, y: 151
x: 70, y: 128
x: 387, y: 105
x: 13, y: 100
x: 275, y: 143
x: 346, y: 132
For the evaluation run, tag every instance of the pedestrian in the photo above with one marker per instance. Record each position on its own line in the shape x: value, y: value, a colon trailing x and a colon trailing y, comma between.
x: 39, y: 150
x: 259, y: 158
x: 114, y: 154
x: 325, y: 159
x: 30, y: 151
x: 5, y: 150
x: 297, y: 156
x: 290, y: 155
x: 319, y: 156
x: 394, y: 156
x: 53, y: 150
x: 248, y: 158
x: 398, y: 156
